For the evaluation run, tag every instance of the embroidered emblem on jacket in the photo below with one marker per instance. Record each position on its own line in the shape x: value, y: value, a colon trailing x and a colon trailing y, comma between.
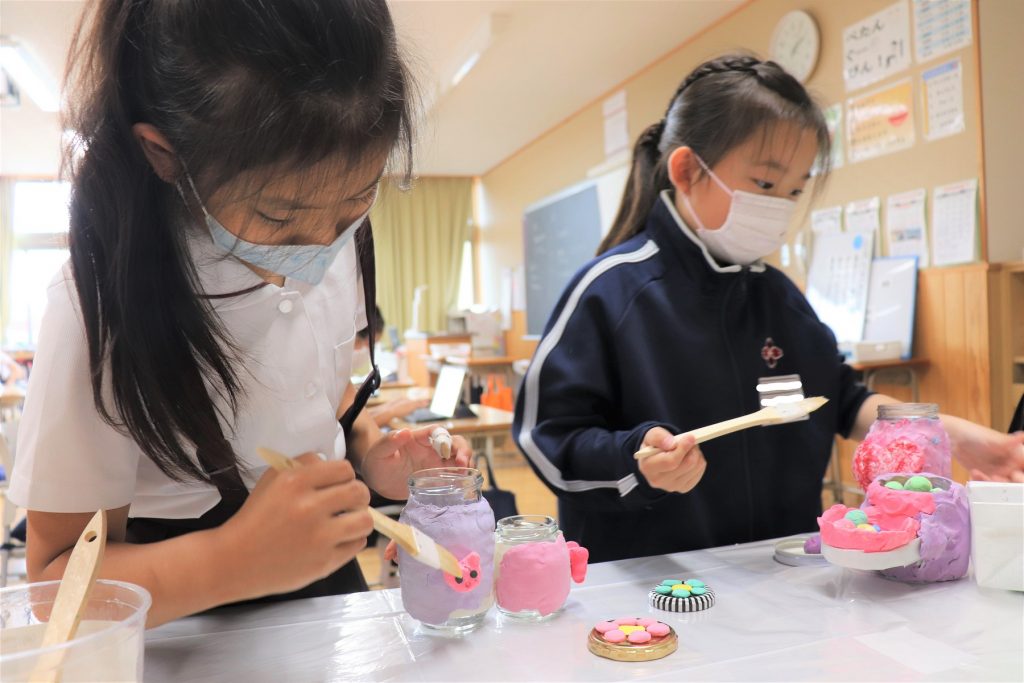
x: 771, y: 353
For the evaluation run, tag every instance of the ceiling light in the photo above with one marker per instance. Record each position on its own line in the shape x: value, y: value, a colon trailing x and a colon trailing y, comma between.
x: 30, y: 77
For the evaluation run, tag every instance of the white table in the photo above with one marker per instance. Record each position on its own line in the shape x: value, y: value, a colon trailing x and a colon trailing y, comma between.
x: 771, y: 622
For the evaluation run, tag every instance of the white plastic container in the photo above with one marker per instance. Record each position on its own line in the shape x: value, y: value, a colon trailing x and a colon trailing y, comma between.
x: 997, y: 533
x: 109, y: 644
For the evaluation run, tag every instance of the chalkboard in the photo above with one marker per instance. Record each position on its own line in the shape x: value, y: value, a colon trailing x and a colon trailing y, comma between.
x: 561, y: 233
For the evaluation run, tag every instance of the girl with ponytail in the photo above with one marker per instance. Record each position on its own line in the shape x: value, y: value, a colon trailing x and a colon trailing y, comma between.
x: 679, y: 324
x: 221, y: 264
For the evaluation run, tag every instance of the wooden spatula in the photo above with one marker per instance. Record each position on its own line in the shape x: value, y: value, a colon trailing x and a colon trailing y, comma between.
x: 786, y: 412
x: 420, y: 547
x: 72, y: 596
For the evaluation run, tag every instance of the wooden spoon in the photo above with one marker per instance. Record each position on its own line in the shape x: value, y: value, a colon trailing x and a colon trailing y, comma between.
x: 72, y: 597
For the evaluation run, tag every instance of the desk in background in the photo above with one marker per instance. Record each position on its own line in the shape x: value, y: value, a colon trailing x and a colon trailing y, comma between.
x: 907, y: 369
x: 771, y: 622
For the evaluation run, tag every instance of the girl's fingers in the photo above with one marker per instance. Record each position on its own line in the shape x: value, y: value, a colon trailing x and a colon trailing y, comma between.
x: 462, y: 452
x: 333, y: 500
x: 671, y: 460
x: 391, y: 552
x: 659, y: 437
x: 351, y: 526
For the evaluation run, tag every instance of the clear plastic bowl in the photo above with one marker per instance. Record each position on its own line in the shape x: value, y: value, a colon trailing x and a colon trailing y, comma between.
x: 109, y: 644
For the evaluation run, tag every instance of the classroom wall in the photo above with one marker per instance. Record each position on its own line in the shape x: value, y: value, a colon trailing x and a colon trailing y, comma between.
x: 1002, y: 60
x: 563, y: 155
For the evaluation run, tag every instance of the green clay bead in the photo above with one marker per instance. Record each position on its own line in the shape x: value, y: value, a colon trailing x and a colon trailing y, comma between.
x: 918, y: 483
x: 856, y: 516
x: 895, y: 485
x: 937, y: 490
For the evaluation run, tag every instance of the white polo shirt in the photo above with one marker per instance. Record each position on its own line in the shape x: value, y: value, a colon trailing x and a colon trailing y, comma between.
x: 297, y: 340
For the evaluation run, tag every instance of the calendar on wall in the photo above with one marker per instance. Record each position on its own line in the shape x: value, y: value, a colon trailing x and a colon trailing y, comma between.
x: 837, y: 284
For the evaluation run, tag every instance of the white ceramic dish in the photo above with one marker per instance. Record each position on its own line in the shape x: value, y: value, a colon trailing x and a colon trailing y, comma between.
x: 858, y: 559
x: 791, y: 552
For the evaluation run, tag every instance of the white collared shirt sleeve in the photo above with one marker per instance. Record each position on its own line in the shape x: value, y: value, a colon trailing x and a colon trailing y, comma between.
x: 67, y: 458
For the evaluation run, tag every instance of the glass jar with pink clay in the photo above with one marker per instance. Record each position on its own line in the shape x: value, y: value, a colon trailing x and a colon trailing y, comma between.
x: 906, y: 437
x: 533, y: 565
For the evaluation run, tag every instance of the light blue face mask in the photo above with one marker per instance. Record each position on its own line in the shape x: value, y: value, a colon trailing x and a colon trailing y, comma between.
x: 306, y: 262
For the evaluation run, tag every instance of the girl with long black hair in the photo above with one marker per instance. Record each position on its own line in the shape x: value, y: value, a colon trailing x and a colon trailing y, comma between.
x: 221, y: 258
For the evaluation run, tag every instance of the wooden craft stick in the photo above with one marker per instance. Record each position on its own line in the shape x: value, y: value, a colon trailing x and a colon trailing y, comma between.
x: 72, y: 596
x: 766, y: 416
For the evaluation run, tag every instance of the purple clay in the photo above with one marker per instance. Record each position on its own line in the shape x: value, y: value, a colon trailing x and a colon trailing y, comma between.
x: 812, y: 546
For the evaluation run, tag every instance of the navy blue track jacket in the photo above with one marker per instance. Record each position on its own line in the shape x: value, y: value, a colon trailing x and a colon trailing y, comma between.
x: 656, y: 333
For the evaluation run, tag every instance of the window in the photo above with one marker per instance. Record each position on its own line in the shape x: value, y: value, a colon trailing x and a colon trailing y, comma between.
x: 40, y: 223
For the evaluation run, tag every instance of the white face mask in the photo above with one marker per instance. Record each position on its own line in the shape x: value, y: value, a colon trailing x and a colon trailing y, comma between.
x: 306, y: 262
x: 755, y: 226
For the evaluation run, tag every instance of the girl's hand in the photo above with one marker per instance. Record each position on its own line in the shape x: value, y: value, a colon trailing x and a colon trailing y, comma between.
x: 678, y: 468
x: 297, y: 526
x: 989, y: 455
x: 387, y: 464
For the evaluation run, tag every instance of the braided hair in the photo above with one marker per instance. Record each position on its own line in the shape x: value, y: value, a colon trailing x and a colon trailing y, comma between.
x: 718, y: 106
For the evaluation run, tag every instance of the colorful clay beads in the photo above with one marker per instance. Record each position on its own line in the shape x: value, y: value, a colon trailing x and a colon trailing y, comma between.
x: 919, y: 484
x: 689, y: 595
x: 634, y: 630
x: 858, y: 517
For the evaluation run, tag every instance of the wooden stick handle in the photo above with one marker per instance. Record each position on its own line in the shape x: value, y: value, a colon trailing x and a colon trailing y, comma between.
x: 714, y: 431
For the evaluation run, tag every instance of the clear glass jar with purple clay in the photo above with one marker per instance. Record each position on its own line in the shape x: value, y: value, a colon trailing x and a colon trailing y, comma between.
x: 446, y: 504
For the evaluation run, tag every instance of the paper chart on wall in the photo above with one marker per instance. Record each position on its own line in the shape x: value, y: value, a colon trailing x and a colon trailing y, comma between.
x: 827, y: 221
x: 943, y: 100
x: 940, y: 27
x: 837, y: 284
x: 955, y: 223
x: 906, y: 225
x: 863, y: 216
x: 880, y: 122
x: 876, y: 47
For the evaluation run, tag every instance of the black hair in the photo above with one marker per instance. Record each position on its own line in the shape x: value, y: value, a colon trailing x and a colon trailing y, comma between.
x: 720, y: 105
x: 378, y: 327
x: 234, y: 87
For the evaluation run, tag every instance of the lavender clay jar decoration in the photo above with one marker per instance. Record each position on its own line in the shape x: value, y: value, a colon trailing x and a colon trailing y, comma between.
x: 945, y: 534
x: 446, y: 504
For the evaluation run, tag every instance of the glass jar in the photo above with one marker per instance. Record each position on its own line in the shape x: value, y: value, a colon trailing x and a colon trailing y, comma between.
x: 532, y: 567
x: 906, y: 438
x: 446, y: 504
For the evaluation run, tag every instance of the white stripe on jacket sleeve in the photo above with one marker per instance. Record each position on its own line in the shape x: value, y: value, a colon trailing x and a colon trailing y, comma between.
x: 531, y: 385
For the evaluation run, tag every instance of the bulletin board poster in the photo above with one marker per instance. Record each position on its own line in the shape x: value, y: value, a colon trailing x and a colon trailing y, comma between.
x: 877, y: 47
x: 880, y: 122
x: 834, y: 122
x: 943, y: 100
x: 940, y: 27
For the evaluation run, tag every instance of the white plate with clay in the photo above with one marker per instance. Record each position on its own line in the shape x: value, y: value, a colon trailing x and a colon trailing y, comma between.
x: 858, y: 559
x: 791, y: 552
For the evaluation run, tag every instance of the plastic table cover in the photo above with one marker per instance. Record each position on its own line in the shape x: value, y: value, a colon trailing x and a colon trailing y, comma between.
x: 770, y: 622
